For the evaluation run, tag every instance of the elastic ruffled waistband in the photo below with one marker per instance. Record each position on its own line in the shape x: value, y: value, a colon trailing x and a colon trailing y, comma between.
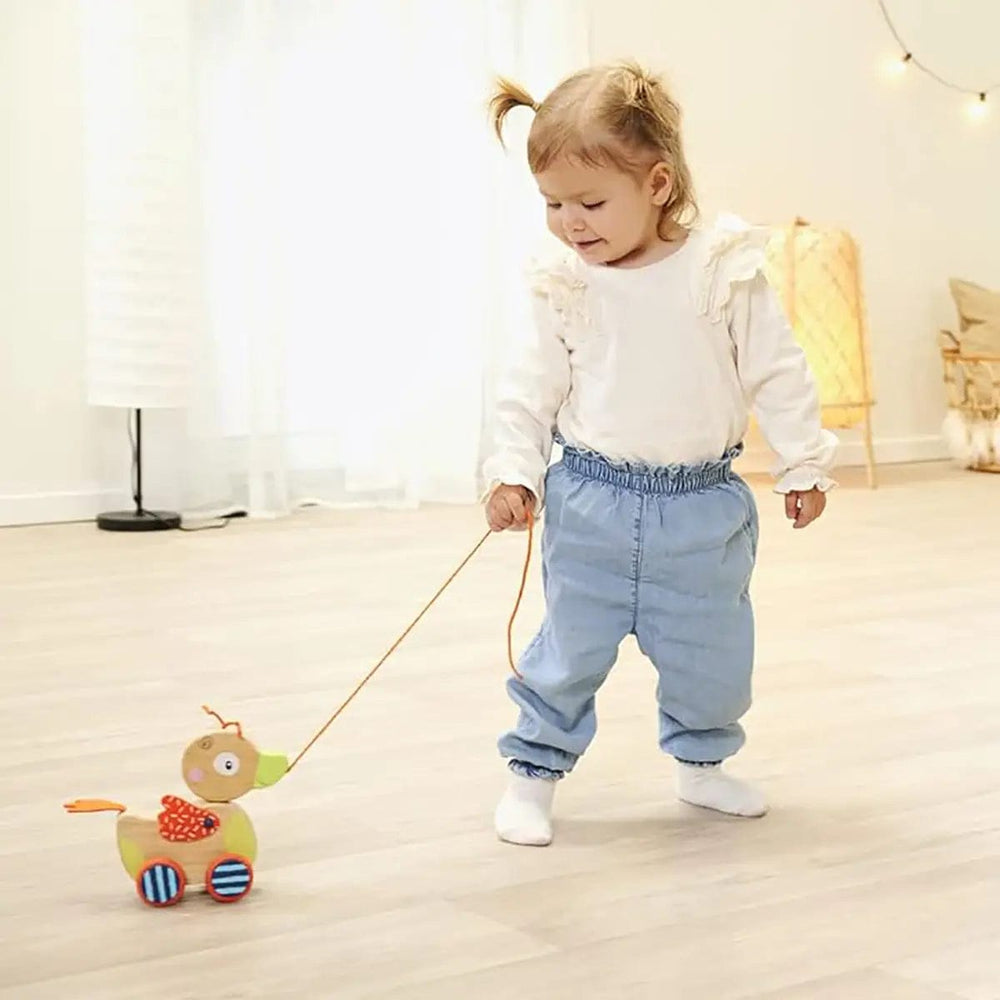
x: 671, y: 480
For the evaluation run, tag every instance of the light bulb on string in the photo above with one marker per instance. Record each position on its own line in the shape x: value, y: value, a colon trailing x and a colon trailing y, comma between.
x: 896, y: 66
x: 979, y: 109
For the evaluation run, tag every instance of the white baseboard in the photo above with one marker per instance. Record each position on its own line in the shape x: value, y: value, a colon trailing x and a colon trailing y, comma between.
x: 53, y: 508
x: 888, y: 451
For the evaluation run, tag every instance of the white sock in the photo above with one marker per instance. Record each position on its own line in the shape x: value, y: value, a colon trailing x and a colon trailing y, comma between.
x: 711, y: 788
x: 524, y: 814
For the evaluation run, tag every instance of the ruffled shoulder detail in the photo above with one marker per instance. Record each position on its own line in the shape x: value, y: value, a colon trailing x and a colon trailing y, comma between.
x: 732, y: 252
x: 557, y: 276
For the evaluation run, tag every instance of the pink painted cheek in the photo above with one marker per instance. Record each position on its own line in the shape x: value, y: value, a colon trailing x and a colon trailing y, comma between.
x: 196, y: 774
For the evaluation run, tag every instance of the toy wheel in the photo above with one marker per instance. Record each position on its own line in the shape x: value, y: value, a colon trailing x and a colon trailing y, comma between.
x: 160, y: 882
x: 229, y: 878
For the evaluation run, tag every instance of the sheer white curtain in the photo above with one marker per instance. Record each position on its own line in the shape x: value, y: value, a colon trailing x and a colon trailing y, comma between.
x: 360, y: 240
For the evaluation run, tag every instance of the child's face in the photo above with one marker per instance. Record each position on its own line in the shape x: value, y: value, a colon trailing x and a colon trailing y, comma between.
x: 606, y: 215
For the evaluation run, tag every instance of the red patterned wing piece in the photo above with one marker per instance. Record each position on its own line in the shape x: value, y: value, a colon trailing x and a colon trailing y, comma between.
x: 183, y: 822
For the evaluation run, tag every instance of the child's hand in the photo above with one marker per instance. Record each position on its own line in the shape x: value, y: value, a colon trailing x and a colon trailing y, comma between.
x: 803, y: 507
x: 509, y: 507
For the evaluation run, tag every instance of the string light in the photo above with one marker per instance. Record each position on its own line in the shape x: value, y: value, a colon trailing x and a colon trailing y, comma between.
x: 978, y: 106
x: 979, y: 109
x: 896, y: 66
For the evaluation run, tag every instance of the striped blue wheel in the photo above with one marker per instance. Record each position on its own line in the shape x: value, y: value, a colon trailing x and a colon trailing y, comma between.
x: 229, y: 878
x: 160, y: 883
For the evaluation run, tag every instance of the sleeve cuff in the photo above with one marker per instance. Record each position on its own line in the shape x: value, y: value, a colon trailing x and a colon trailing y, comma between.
x: 804, y: 479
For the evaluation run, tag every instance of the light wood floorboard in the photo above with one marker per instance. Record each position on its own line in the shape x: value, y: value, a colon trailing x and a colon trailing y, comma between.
x: 875, y: 731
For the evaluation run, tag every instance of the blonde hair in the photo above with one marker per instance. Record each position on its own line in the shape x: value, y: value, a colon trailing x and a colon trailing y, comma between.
x: 619, y: 115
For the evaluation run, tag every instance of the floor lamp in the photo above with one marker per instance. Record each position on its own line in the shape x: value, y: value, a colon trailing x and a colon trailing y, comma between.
x: 135, y: 366
x: 140, y: 518
x: 142, y: 221
x: 816, y: 271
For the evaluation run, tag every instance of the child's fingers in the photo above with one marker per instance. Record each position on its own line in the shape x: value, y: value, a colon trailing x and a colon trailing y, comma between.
x: 791, y: 506
x: 812, y: 504
x: 498, y: 514
x: 518, y: 508
x: 510, y: 507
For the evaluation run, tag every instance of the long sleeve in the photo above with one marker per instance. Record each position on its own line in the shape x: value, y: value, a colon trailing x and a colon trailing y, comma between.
x: 780, y: 388
x: 531, y: 392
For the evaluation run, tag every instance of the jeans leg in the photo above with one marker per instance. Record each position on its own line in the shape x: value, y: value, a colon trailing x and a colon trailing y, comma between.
x: 587, y: 547
x: 695, y: 618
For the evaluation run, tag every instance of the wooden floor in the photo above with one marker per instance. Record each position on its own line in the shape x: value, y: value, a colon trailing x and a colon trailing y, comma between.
x: 876, y: 733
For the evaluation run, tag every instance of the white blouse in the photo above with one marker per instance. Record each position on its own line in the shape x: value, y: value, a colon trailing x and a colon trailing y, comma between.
x: 660, y: 365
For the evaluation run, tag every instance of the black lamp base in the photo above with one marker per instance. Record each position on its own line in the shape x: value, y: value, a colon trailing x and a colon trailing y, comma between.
x: 131, y: 520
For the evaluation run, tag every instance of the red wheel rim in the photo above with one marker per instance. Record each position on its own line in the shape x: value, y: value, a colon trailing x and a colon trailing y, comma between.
x: 229, y: 878
x: 160, y: 882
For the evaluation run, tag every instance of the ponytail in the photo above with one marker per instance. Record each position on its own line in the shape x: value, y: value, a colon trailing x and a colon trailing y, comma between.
x: 506, y: 97
x: 638, y: 86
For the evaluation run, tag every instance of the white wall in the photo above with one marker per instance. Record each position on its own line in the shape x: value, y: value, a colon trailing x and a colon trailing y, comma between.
x: 788, y: 112
x: 50, y: 440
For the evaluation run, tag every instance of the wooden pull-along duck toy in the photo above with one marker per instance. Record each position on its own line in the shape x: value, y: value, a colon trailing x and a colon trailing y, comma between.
x: 211, y: 842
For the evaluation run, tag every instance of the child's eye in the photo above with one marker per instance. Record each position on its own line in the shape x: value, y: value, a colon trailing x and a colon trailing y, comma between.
x: 553, y: 204
x: 596, y: 204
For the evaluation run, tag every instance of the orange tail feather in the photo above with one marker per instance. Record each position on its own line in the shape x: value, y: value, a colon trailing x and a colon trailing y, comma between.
x: 93, y: 806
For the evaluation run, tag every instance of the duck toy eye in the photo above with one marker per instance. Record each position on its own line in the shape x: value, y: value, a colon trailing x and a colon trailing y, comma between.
x: 227, y: 764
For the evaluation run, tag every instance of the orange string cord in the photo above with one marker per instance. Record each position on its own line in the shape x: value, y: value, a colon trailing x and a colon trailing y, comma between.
x: 392, y: 649
x: 520, y: 594
x: 222, y: 722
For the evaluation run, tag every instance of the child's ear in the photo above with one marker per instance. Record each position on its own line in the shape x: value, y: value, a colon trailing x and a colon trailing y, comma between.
x: 660, y: 183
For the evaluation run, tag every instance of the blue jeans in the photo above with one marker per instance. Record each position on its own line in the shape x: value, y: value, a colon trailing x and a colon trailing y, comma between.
x: 662, y: 553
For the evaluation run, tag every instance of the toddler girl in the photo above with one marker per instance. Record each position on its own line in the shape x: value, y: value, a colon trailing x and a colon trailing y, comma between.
x: 651, y: 341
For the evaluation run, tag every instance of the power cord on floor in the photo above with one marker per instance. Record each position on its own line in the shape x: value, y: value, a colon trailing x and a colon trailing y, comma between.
x: 221, y: 522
